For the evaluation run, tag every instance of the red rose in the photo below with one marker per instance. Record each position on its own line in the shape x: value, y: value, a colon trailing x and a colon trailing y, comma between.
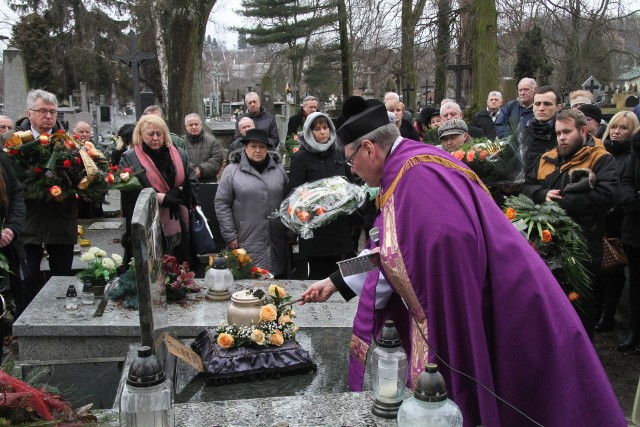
x: 75, y: 136
x: 37, y: 170
x: 127, y: 170
x: 66, y: 164
x: 78, y: 160
x: 255, y: 269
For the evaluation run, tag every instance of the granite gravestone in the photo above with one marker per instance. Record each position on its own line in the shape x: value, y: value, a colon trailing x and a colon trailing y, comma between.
x: 15, y: 84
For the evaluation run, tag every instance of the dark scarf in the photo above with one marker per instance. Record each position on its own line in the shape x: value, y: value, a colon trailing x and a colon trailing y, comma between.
x: 543, y: 130
x: 259, y: 166
x: 618, y: 147
x: 162, y: 159
x: 195, y: 139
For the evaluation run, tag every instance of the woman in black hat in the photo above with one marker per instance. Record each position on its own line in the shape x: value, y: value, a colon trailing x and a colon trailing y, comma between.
x: 321, y: 156
x: 252, y: 187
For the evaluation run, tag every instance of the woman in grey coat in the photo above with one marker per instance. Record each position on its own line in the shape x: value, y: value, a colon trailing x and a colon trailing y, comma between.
x: 251, y: 188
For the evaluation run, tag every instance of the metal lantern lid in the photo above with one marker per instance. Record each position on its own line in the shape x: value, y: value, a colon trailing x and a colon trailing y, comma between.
x: 220, y: 263
x: 389, y: 337
x: 146, y: 370
x: 71, y: 292
x: 430, y: 385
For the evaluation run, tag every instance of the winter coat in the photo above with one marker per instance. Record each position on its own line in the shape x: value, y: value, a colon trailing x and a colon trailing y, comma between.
x: 484, y: 121
x: 263, y: 120
x: 630, y: 195
x: 204, y: 152
x: 537, y: 138
x: 295, y: 123
x: 586, y: 200
x: 49, y: 222
x: 621, y: 151
x: 244, y: 202
x: 408, y: 131
x: 13, y: 217
x: 307, y: 166
x: 514, y: 116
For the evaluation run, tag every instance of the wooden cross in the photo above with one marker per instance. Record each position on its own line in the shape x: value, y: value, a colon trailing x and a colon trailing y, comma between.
x: 134, y: 59
x: 458, y: 69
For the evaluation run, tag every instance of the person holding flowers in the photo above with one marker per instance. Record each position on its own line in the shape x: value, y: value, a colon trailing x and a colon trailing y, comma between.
x: 158, y: 164
x: 52, y: 223
x: 320, y: 156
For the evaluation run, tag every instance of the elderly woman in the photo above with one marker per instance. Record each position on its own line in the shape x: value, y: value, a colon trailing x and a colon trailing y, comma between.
x: 406, y: 129
x: 617, y: 141
x: 160, y: 165
x: 320, y: 156
x: 251, y: 188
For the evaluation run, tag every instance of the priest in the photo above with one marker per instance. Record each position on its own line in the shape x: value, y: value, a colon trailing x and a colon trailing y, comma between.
x: 465, y: 290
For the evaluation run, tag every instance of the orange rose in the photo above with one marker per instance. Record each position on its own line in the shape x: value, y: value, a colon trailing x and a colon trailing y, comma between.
x: 458, y: 154
x: 471, y: 155
x: 303, y: 216
x: 573, y: 296
x: 277, y: 291
x: 276, y: 338
x: 55, y: 191
x: 257, y: 336
x: 284, y: 319
x: 511, y: 213
x: 268, y: 313
x: 546, y: 236
x: 483, y: 154
x: 225, y: 340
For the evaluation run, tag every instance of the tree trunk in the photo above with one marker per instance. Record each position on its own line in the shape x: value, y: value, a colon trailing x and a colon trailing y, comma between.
x: 161, y: 49
x: 409, y: 19
x: 346, y: 62
x: 484, y: 56
x: 184, y: 32
x: 442, y: 49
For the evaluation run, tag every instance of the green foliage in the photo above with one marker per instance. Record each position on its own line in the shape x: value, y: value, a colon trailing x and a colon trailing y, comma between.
x: 532, y: 59
x: 126, y: 290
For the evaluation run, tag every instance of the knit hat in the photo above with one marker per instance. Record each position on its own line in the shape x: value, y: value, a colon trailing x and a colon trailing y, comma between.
x: 361, y: 117
x: 592, y: 111
x: 452, y: 127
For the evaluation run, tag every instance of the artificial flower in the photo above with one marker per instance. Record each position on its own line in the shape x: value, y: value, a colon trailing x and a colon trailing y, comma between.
x: 268, y: 313
x: 225, y: 340
x: 66, y: 164
x: 276, y: 338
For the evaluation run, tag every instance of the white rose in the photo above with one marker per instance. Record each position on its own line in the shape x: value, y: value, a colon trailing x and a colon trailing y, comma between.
x: 117, y: 259
x: 108, y: 264
x: 124, y: 176
x: 87, y: 257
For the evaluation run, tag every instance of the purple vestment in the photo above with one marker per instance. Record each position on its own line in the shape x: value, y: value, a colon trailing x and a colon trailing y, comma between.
x: 486, y: 301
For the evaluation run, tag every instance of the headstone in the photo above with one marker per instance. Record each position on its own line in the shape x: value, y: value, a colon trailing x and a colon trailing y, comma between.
x: 593, y: 86
x: 15, y: 84
x: 84, y: 103
x: 147, y: 251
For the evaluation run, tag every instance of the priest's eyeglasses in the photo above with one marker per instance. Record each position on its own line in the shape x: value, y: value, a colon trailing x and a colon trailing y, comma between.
x: 349, y: 160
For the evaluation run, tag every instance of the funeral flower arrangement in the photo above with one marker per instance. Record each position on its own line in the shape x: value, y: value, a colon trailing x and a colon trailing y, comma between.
x: 100, y: 268
x: 495, y: 162
x: 275, y: 327
x: 123, y: 180
x: 179, y: 279
x: 557, y: 239
x: 292, y: 144
x: 317, y: 203
x: 54, y: 167
x: 242, y: 266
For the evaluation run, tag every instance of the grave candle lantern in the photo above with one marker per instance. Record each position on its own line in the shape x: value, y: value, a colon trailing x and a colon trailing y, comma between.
x: 389, y: 362
x: 218, y: 280
x: 147, y: 397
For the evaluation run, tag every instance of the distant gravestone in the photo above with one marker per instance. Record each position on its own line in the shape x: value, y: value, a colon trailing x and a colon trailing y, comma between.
x: 15, y: 84
x: 147, y: 252
x: 593, y: 86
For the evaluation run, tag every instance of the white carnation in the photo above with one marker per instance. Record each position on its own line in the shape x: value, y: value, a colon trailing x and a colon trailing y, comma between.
x: 93, y: 250
x: 108, y: 264
x: 87, y: 257
x: 101, y: 253
x: 117, y: 259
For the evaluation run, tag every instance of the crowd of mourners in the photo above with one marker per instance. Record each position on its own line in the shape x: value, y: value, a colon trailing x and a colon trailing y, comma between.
x: 555, y: 142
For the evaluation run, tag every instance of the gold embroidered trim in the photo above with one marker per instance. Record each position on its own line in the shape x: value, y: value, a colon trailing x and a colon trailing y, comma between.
x: 358, y: 349
x: 383, y: 198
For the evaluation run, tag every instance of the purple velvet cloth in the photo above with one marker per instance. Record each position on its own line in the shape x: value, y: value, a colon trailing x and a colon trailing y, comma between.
x: 493, y: 309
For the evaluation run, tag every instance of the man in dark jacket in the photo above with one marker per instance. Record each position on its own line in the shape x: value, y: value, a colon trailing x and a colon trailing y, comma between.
x: 486, y: 119
x: 203, y: 149
x: 451, y: 110
x: 583, y: 179
x: 309, y: 105
x: 518, y: 112
x: 53, y: 224
x: 261, y: 118
x: 539, y: 135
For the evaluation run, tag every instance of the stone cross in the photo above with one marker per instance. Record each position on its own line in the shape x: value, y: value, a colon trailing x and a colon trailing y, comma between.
x: 134, y: 59
x: 458, y: 69
x: 593, y: 86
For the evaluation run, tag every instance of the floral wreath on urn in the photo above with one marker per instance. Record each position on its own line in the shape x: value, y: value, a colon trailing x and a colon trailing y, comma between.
x: 275, y: 327
x: 54, y: 167
x: 559, y: 241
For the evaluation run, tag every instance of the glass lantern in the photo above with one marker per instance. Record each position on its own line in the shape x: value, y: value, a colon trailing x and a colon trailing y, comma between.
x: 218, y: 280
x: 389, y: 362
x: 147, y: 397
x: 429, y: 405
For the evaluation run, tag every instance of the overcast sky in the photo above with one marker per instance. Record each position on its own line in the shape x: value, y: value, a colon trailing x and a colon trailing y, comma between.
x: 221, y: 19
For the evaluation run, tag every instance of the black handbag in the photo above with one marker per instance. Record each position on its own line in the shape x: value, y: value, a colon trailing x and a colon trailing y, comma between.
x: 201, y: 238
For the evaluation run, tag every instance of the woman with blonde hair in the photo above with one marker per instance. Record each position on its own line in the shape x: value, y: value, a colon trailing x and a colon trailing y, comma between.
x: 158, y: 164
x: 406, y: 129
x: 617, y: 141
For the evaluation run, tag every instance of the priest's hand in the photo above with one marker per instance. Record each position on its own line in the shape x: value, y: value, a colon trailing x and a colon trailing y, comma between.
x: 318, y: 292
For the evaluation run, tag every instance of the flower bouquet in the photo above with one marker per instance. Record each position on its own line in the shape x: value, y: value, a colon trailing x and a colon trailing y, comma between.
x: 317, y: 203
x: 124, y: 180
x: 54, y: 167
x: 100, y: 268
x: 241, y: 265
x: 496, y: 162
x: 179, y: 279
x: 557, y: 239
x: 292, y: 144
x: 275, y: 328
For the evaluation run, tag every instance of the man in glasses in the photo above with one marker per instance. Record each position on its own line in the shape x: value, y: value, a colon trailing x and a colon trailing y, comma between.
x: 49, y: 224
x: 6, y: 124
x: 464, y: 288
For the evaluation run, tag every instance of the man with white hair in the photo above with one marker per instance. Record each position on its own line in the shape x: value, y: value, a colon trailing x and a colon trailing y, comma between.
x: 82, y: 131
x: 486, y: 118
x: 261, y: 118
x: 203, y: 149
x: 451, y: 110
x: 518, y: 112
x: 244, y: 124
